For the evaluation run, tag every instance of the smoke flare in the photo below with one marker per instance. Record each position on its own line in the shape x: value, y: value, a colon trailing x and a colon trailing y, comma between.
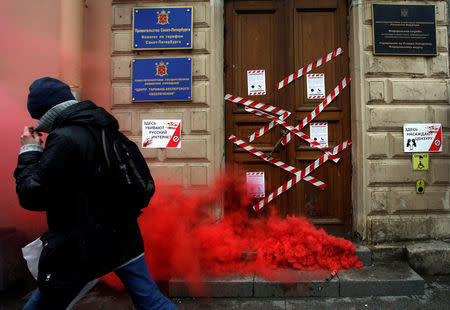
x: 183, y: 239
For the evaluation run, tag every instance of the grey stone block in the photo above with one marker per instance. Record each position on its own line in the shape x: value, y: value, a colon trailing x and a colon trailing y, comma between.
x: 430, y: 258
x: 294, y: 283
x: 364, y: 254
x: 394, y: 279
x: 385, y: 253
x: 229, y: 286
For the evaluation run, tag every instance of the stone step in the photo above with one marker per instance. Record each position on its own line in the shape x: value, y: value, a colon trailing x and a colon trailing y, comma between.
x: 394, y: 279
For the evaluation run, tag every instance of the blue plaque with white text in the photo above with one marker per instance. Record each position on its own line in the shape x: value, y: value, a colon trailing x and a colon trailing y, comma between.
x: 162, y: 28
x: 161, y: 79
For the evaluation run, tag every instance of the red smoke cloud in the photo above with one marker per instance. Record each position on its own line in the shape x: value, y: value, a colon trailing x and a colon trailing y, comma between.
x: 183, y: 240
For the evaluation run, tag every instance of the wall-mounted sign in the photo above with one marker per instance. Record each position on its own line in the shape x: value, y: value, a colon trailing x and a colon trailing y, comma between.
x: 162, y: 28
x: 319, y: 133
x: 161, y: 79
x: 420, y: 161
x: 422, y: 138
x: 161, y: 133
x: 400, y: 29
x: 315, y: 84
x: 255, y: 184
x: 256, y: 82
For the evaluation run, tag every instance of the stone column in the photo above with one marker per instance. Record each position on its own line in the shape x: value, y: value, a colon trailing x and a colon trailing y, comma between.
x: 71, y: 44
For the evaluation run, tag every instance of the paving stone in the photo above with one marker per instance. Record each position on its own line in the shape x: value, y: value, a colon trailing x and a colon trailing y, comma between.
x: 394, y: 279
x: 294, y: 283
x: 430, y: 258
x: 385, y: 253
x: 229, y: 286
x: 364, y: 254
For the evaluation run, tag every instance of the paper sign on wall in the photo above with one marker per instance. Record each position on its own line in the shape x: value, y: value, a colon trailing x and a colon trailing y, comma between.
x: 256, y: 81
x: 161, y: 133
x: 315, y: 84
x: 255, y: 184
x: 319, y: 133
x: 422, y: 138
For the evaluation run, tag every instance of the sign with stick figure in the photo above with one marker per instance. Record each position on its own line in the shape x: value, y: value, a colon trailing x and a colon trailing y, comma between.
x: 422, y: 138
x: 421, y: 161
x: 315, y: 84
x: 256, y: 81
x: 255, y: 184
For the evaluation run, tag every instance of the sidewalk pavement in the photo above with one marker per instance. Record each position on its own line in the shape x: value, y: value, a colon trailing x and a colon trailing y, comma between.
x: 436, y: 296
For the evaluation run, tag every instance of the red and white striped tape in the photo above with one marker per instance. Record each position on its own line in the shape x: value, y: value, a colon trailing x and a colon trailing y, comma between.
x: 267, y: 127
x: 255, y: 104
x: 256, y: 93
x: 308, y: 68
x: 317, y: 124
x: 288, y: 127
x: 318, y: 109
x: 274, y: 161
x: 300, y: 175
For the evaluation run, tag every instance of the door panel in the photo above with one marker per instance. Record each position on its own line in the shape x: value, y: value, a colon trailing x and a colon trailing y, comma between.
x: 281, y: 37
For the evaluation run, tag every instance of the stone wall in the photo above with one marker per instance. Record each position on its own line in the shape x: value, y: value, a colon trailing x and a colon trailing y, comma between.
x: 388, y: 91
x: 201, y: 155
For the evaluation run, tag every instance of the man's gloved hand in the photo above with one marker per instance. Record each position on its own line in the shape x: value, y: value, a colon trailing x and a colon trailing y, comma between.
x: 30, y: 136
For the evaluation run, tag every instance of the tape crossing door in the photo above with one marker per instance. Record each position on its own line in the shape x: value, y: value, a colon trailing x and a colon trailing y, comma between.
x: 284, y: 38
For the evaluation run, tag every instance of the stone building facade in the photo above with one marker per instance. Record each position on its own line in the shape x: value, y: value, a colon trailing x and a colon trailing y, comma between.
x: 386, y: 92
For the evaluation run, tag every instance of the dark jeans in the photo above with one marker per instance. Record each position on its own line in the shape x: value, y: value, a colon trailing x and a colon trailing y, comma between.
x: 134, y: 276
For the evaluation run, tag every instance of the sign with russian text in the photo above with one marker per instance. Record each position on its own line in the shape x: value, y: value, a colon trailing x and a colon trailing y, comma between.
x: 255, y: 184
x: 256, y: 82
x: 400, y: 29
x: 161, y: 133
x: 319, y: 133
x: 162, y: 28
x: 422, y: 138
x: 161, y: 79
x: 315, y: 84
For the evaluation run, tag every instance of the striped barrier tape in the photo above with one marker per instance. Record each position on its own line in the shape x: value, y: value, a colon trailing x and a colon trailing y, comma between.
x: 300, y: 175
x: 267, y: 127
x: 336, y: 91
x: 288, y: 127
x: 309, y: 67
x: 274, y: 161
x: 255, y: 104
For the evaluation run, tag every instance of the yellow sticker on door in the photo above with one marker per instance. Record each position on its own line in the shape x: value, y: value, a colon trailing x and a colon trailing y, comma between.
x: 420, y: 186
x: 420, y: 161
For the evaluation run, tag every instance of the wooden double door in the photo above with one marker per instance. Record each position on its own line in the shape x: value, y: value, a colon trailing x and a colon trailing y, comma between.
x: 281, y: 36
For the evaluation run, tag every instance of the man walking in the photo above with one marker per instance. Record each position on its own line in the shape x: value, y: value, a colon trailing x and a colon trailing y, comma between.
x: 87, y: 236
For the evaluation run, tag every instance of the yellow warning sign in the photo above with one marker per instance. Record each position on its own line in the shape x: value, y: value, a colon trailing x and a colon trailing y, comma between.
x: 420, y: 161
x: 420, y: 186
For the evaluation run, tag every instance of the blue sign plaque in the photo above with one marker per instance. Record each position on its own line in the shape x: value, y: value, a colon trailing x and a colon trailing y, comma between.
x: 161, y: 79
x: 162, y: 28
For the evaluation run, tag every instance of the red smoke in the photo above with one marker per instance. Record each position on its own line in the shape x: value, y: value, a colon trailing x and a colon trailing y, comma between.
x: 184, y: 240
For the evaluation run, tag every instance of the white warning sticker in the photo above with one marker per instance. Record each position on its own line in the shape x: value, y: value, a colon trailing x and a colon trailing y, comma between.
x: 161, y: 133
x: 422, y: 138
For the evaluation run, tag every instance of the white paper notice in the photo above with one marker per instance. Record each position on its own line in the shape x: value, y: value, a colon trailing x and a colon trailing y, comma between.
x: 422, y: 138
x: 315, y: 83
x: 319, y: 133
x: 161, y: 133
x: 255, y: 184
x: 256, y: 81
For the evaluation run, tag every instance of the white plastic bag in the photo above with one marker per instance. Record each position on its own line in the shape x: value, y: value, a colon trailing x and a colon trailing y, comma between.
x: 31, y: 252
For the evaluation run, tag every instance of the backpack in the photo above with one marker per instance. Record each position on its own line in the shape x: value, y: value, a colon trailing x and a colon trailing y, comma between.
x: 124, y: 175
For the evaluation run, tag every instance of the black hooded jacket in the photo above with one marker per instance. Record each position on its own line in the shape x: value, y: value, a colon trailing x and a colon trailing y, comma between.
x: 61, y: 181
